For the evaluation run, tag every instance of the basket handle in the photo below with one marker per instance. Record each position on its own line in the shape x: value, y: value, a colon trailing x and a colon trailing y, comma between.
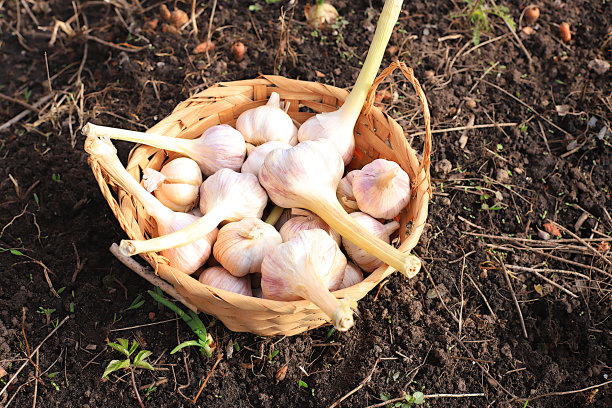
x: 369, y: 103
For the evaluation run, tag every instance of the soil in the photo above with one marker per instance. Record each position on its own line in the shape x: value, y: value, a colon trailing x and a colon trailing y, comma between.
x: 454, y: 329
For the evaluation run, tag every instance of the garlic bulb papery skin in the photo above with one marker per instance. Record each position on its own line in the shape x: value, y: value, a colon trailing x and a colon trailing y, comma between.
x: 266, y: 123
x: 220, y: 278
x: 338, y: 125
x: 219, y: 147
x: 306, y: 268
x: 241, y: 246
x: 176, y: 185
x: 187, y: 258
x: 224, y: 196
x: 296, y: 224
x: 344, y: 192
x: 366, y: 261
x: 352, y: 276
x: 381, y: 189
x: 256, y: 157
x: 307, y: 176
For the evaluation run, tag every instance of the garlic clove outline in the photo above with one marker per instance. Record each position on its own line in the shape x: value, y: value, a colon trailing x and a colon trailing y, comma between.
x: 366, y: 261
x: 306, y: 268
x: 187, y: 258
x: 220, y: 278
x: 256, y: 156
x: 176, y: 185
x: 266, y: 123
x: 220, y: 146
x: 241, y: 246
x: 224, y: 196
x: 352, y: 276
x: 307, y: 176
x: 306, y: 222
x: 381, y: 189
x: 344, y: 192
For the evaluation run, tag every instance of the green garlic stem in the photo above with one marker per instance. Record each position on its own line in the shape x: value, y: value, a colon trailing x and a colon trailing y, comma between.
x: 187, y: 235
x: 330, y: 210
x: 106, y: 154
x: 354, y: 102
x: 275, y: 214
x: 173, y: 144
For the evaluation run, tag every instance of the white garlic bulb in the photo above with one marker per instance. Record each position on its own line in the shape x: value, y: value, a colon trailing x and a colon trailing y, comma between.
x: 256, y: 156
x: 381, y: 189
x: 308, y: 267
x: 241, y: 246
x: 176, y: 185
x: 224, y: 196
x: 219, y: 278
x: 366, y: 261
x: 219, y: 147
x: 333, y: 128
x: 187, y: 258
x: 266, y: 123
x: 306, y: 222
x: 352, y: 276
x: 344, y: 192
x: 306, y: 176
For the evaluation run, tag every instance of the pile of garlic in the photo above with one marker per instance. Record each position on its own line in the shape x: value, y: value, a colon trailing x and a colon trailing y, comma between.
x: 297, y: 258
x: 279, y: 259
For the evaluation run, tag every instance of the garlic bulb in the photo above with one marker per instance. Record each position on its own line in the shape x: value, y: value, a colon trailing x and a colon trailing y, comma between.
x: 381, y: 188
x: 266, y: 123
x: 241, y: 246
x: 307, y: 222
x: 176, y: 185
x: 282, y: 220
x: 187, y: 258
x: 344, y: 192
x: 307, y: 176
x: 306, y: 268
x: 337, y: 126
x: 256, y: 157
x: 219, y: 278
x: 366, y: 261
x: 352, y: 276
x: 224, y: 196
x: 219, y: 147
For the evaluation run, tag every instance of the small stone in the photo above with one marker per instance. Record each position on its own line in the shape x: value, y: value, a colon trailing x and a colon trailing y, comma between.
x: 592, y: 121
x: 429, y: 74
x: 599, y: 66
x: 151, y: 315
x: 502, y: 176
x: 445, y: 201
x: 443, y: 166
x: 470, y: 103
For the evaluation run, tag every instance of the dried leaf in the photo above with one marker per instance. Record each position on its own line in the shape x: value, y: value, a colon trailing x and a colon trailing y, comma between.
x: 281, y: 373
x: 320, y: 74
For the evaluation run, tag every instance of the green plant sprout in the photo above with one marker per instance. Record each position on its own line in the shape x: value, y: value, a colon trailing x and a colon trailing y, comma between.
x: 204, y: 340
x: 478, y: 14
x: 123, y: 346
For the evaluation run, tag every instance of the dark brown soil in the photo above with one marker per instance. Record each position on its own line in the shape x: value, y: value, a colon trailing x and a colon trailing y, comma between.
x: 58, y: 217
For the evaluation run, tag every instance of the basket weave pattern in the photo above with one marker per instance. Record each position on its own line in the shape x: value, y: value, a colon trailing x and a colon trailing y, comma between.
x: 376, y: 136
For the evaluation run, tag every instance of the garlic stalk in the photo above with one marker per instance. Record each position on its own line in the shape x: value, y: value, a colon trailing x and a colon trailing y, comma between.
x: 307, y: 176
x: 256, y: 156
x: 219, y: 147
x: 176, y: 185
x: 381, y: 189
x: 305, y: 268
x: 224, y: 196
x: 352, y: 276
x: 241, y: 246
x: 267, y: 123
x: 219, y: 278
x: 366, y: 261
x: 187, y: 258
x: 344, y: 192
x: 338, y: 125
x: 306, y: 222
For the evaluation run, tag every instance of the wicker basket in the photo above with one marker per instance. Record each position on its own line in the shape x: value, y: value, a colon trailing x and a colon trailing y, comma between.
x: 377, y: 136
